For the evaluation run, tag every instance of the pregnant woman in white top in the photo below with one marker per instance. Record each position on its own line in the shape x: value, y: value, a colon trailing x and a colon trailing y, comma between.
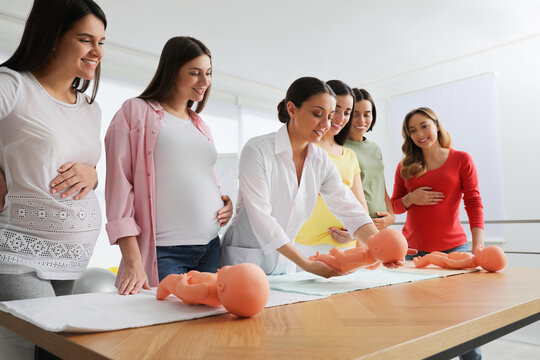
x: 49, y: 146
x: 164, y: 206
x: 280, y: 177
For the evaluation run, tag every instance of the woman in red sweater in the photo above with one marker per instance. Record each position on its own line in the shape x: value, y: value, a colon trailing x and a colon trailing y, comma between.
x: 429, y: 184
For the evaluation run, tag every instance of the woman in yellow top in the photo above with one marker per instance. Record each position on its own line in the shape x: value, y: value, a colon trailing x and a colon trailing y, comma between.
x: 317, y: 234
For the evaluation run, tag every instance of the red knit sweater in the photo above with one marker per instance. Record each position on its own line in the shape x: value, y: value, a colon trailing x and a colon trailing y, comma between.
x: 437, y: 227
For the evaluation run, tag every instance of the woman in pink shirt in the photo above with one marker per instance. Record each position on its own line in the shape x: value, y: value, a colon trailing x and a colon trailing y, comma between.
x: 164, y: 207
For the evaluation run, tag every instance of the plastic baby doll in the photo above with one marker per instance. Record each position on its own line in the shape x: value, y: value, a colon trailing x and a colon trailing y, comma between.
x: 242, y: 289
x: 387, y: 246
x: 491, y: 258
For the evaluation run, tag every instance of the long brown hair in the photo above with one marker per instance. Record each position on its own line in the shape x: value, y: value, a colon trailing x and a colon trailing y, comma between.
x: 413, y: 162
x: 47, y: 22
x: 177, y: 51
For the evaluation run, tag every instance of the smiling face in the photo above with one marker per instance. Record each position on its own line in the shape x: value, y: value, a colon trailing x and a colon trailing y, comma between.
x: 311, y: 121
x: 423, y: 131
x: 193, y: 79
x: 80, y: 49
x: 362, y: 119
x: 342, y: 115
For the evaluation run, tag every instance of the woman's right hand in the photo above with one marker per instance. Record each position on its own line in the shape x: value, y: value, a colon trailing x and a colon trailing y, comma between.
x: 321, y: 269
x: 133, y: 279
x: 424, y: 195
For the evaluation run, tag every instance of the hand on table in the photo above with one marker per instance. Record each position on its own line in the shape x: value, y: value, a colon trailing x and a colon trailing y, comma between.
x: 133, y: 280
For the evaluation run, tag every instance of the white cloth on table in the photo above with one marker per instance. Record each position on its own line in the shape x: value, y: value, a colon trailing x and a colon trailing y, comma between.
x: 110, y: 311
x: 307, y: 283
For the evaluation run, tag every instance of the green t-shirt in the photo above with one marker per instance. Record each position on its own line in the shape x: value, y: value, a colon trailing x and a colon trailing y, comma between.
x: 372, y: 173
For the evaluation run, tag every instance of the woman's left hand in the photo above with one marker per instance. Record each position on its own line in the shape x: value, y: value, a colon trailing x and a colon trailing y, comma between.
x: 77, y: 178
x: 225, y: 213
x: 384, y: 220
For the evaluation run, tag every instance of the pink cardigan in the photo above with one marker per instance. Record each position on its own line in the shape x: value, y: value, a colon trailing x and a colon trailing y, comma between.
x: 130, y: 182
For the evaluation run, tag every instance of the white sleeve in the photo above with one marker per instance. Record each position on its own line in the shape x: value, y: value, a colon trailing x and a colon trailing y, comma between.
x: 341, y: 200
x: 256, y: 193
x: 10, y: 84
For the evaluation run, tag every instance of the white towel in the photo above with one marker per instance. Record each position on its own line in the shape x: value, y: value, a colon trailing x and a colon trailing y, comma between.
x: 307, y: 283
x: 110, y: 311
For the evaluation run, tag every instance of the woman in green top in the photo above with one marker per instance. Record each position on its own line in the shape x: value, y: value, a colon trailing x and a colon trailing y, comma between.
x: 370, y: 160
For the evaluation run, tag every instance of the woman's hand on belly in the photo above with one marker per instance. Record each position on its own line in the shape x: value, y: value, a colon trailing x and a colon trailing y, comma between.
x: 225, y: 213
x: 77, y: 178
x: 340, y: 235
x: 423, y: 195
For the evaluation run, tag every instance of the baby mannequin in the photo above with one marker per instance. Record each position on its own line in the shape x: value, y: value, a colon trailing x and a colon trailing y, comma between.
x: 242, y: 289
x: 387, y: 246
x: 491, y: 258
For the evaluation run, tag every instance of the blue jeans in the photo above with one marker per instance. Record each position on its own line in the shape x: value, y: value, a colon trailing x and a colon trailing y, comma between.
x: 462, y: 248
x: 182, y: 258
x: 474, y: 354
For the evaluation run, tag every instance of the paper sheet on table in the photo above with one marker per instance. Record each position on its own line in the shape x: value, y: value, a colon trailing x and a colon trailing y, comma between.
x: 110, y: 311
x: 307, y: 283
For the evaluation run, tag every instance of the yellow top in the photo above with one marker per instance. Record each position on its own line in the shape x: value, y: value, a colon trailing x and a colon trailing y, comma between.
x: 315, y: 230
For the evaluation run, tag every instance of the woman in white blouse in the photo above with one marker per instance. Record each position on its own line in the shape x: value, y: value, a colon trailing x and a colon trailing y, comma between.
x: 280, y: 176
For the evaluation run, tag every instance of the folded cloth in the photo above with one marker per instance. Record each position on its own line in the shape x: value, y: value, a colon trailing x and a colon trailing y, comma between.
x: 110, y: 311
x: 307, y: 283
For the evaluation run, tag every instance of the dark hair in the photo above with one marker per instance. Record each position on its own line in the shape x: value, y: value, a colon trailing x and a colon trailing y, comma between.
x: 340, y: 88
x: 362, y: 94
x: 177, y: 51
x: 299, y: 91
x: 47, y: 22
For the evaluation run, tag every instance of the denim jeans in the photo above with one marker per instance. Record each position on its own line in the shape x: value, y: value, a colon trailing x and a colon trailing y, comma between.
x: 474, y: 354
x: 182, y: 258
x: 462, y: 248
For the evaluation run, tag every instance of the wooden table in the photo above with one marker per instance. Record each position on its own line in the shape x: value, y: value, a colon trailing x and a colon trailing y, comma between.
x: 437, y: 317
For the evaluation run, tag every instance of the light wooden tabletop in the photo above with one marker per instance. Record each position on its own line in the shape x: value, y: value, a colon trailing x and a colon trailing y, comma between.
x: 404, y: 321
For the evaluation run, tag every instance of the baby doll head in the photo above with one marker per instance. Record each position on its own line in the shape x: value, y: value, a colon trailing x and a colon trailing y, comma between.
x: 388, y: 245
x: 491, y: 258
x: 243, y: 289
